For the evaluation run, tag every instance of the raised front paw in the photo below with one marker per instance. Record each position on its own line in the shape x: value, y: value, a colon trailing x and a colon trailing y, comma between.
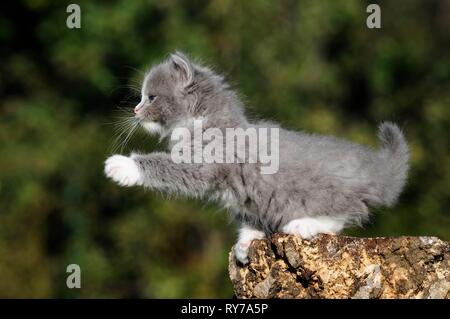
x: 123, y: 170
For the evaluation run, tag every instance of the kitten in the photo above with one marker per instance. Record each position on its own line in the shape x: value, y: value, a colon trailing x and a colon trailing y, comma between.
x: 323, y: 184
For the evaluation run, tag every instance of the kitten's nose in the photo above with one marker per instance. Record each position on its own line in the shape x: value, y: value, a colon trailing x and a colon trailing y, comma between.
x: 137, y: 108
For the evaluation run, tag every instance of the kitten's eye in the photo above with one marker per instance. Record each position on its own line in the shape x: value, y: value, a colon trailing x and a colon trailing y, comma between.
x: 151, y: 98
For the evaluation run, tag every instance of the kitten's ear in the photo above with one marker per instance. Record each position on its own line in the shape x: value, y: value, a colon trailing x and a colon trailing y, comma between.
x: 183, y: 66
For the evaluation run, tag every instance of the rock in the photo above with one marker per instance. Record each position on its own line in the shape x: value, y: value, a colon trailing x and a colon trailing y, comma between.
x: 331, y: 266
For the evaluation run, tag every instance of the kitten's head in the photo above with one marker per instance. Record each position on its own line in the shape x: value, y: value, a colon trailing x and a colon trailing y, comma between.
x: 178, y: 90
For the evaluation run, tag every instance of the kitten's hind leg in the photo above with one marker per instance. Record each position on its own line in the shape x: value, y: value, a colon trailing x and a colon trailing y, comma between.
x: 246, y: 235
x: 308, y: 227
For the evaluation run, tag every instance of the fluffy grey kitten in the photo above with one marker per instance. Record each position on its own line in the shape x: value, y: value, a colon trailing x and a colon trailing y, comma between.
x: 323, y: 183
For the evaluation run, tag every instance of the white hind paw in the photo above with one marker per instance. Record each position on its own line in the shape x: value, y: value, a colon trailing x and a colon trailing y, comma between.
x: 246, y: 236
x: 241, y: 251
x: 308, y: 227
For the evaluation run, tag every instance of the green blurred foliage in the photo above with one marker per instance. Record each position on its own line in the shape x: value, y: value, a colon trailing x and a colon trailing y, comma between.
x: 311, y: 65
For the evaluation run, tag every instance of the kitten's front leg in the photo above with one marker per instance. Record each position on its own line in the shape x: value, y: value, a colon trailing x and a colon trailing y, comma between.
x: 123, y: 170
x: 190, y: 179
x: 246, y: 235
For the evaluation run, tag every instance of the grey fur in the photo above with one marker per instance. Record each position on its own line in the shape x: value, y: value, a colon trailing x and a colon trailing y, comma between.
x: 318, y: 175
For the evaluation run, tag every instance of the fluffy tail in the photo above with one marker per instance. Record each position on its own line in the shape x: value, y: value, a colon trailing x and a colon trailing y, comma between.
x: 395, y: 154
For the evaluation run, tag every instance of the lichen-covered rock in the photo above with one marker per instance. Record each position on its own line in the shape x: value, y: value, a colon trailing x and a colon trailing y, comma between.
x: 285, y: 266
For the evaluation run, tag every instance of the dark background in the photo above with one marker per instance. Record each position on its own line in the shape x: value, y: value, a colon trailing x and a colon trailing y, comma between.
x: 310, y: 65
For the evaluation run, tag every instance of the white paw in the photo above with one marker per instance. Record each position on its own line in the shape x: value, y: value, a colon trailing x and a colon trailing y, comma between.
x: 309, y: 227
x: 246, y: 236
x: 241, y: 251
x: 123, y: 170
